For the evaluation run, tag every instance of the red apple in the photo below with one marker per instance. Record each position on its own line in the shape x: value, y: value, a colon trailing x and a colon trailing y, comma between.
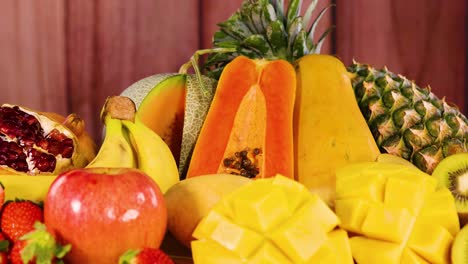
x: 103, y: 212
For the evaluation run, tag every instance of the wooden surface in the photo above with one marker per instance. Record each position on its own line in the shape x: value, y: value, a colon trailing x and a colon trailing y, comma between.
x: 68, y: 56
x: 425, y: 40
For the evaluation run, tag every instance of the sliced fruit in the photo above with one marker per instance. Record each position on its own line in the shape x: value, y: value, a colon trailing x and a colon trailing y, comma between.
x: 34, y: 143
x: 390, y: 158
x: 366, y: 250
x: 459, y: 254
x: 439, y: 208
x: 174, y: 106
x: 191, y: 199
x: 248, y: 129
x: 389, y: 224
x: 162, y: 110
x: 431, y: 241
x: 413, y: 223
x: 452, y: 173
x: 256, y: 224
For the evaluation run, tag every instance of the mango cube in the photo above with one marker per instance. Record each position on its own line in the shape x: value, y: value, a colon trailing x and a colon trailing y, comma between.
x: 352, y: 213
x: 367, y: 250
x: 389, y: 224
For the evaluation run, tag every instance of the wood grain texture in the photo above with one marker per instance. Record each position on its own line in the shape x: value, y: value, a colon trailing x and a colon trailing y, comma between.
x: 423, y: 40
x: 32, y: 52
x: 113, y: 43
x: 68, y: 56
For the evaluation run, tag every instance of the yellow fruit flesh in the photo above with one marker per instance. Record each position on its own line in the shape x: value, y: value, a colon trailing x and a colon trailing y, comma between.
x: 275, y: 220
x: 330, y: 131
x: 412, y: 222
x: 190, y: 200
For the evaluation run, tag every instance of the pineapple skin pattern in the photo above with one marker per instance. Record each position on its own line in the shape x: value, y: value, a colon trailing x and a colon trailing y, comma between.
x: 406, y: 120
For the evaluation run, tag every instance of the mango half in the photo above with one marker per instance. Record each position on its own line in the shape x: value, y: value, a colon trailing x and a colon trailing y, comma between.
x: 395, y: 213
x: 271, y: 220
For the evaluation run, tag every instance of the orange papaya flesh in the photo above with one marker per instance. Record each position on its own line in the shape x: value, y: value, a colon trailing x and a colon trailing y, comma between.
x: 163, y: 111
x: 248, y: 128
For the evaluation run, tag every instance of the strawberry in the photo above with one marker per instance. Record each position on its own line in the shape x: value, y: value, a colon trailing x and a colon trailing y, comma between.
x: 15, y: 253
x: 37, y: 246
x: 18, y: 218
x: 145, y: 256
x: 4, y: 245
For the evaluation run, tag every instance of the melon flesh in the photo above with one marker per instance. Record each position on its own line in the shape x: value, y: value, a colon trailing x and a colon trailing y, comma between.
x: 409, y: 222
x: 272, y: 220
x: 174, y: 106
x: 163, y: 109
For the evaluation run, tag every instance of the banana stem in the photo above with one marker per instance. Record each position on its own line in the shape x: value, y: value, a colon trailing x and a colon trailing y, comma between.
x: 193, y: 62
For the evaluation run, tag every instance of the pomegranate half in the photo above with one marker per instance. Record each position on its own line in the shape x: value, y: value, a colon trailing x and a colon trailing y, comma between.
x: 42, y: 143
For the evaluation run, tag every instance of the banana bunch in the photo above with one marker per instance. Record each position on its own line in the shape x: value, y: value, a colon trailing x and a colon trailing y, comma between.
x: 127, y: 143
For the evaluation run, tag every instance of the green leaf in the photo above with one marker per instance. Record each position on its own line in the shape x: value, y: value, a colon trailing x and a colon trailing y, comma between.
x: 321, y: 40
x: 293, y: 32
x: 268, y: 14
x: 4, y: 245
x: 258, y: 43
x: 223, y: 40
x: 40, y: 244
x: 256, y: 18
x: 128, y: 256
x: 279, y: 7
x: 235, y: 27
x: 314, y: 25
x: 294, y: 8
x: 299, y: 48
x: 308, y: 14
x: 277, y: 38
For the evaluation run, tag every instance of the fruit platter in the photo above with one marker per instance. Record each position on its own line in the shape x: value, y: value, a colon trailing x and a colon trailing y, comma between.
x: 215, y: 163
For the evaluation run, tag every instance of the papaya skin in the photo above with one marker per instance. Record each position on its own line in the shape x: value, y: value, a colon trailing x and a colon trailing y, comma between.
x: 251, y: 109
x: 330, y: 130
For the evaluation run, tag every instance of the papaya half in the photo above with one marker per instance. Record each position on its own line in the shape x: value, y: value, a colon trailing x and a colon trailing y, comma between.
x: 248, y: 130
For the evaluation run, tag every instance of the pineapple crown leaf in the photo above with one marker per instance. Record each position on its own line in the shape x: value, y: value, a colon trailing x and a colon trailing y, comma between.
x: 263, y: 29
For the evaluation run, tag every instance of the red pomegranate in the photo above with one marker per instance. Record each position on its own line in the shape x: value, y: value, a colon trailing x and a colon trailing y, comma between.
x: 42, y: 143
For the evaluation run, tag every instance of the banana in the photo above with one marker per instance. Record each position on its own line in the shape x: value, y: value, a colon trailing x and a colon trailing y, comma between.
x: 153, y: 155
x: 115, y: 151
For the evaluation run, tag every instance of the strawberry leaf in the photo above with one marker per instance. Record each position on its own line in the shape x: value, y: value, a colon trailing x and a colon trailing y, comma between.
x: 41, y: 245
x: 4, y: 244
x: 128, y: 256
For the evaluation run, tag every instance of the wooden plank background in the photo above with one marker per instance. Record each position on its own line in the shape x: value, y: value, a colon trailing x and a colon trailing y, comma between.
x: 68, y: 56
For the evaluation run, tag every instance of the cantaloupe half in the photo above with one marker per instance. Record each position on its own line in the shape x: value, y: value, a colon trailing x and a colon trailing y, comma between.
x: 174, y: 106
x: 163, y: 109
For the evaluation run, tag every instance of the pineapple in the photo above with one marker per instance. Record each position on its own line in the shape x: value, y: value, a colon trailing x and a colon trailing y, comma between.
x: 405, y: 119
